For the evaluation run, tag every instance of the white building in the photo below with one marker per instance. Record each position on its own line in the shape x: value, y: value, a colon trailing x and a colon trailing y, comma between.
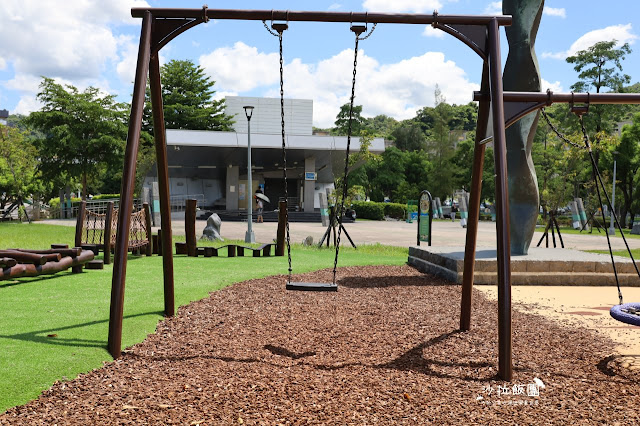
x: 213, y: 165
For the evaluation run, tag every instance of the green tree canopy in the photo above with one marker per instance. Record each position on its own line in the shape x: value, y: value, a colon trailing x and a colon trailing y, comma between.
x: 599, y: 68
x: 628, y: 166
x: 380, y: 125
x: 19, y: 176
x: 187, y: 95
x: 342, y: 121
x: 82, y: 132
x: 408, y: 136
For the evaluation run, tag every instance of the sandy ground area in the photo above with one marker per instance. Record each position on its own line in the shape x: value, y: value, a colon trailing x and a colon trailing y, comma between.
x: 585, y: 307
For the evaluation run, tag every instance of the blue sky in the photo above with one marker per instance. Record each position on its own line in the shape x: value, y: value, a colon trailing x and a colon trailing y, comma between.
x: 95, y: 43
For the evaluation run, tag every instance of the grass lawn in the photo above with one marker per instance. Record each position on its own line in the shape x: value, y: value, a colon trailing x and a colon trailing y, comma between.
x: 568, y: 230
x: 55, y: 327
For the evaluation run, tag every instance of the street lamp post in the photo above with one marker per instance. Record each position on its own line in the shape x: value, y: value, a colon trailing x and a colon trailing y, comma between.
x: 612, y: 229
x: 249, y: 237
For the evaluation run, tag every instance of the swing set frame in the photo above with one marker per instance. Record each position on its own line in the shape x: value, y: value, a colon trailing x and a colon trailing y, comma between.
x: 480, y: 33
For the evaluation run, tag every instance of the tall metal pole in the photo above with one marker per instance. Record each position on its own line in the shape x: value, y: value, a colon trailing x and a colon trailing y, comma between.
x: 505, y: 366
x: 249, y: 236
x: 612, y: 229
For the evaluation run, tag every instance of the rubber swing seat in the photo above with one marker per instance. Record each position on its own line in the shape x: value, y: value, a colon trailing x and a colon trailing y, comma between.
x: 299, y: 286
x: 628, y: 313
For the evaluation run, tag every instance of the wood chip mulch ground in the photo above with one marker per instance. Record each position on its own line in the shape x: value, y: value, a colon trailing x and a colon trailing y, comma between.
x: 384, y: 349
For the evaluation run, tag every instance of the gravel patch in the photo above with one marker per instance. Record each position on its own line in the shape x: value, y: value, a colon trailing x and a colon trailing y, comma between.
x: 384, y: 349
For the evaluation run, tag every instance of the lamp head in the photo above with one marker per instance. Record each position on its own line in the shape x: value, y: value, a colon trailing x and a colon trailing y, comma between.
x: 248, y: 111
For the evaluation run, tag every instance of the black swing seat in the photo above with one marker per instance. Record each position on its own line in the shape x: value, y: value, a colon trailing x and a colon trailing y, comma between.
x: 312, y: 286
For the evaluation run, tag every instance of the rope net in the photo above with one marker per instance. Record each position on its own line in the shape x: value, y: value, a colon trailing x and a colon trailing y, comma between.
x: 93, y: 229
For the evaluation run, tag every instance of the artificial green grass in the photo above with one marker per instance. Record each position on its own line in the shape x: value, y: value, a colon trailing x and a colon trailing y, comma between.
x: 569, y: 230
x: 55, y: 327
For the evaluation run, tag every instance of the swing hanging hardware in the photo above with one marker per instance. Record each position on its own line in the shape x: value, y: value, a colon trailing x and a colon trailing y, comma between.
x: 359, y: 29
x: 579, y: 110
x: 277, y: 27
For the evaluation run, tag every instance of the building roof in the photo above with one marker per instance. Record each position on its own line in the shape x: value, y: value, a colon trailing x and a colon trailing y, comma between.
x: 212, y: 152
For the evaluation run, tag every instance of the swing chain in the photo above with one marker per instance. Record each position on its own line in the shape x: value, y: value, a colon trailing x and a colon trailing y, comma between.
x: 346, y: 161
x: 273, y: 33
x: 557, y: 132
x: 598, y: 179
x: 284, y: 152
x: 369, y: 33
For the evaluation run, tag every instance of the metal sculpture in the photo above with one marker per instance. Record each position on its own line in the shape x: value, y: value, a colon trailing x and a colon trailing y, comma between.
x: 521, y: 73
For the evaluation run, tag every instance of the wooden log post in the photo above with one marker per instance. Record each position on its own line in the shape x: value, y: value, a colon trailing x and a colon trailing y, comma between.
x: 147, y: 224
x: 190, y: 227
x: 282, y: 223
x: 107, y: 233
x: 82, y: 211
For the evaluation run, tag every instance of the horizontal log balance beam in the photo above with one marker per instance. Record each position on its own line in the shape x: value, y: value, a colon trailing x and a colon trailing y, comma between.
x: 51, y: 267
x: 319, y: 16
x: 7, y: 262
x: 73, y: 252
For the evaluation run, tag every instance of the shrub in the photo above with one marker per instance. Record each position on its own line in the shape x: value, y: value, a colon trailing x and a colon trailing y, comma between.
x: 369, y: 210
x: 105, y: 196
x: 395, y: 210
x: 54, y: 203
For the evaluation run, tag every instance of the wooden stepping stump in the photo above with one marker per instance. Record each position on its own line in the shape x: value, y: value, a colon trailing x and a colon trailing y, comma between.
x: 95, y: 264
x: 181, y: 248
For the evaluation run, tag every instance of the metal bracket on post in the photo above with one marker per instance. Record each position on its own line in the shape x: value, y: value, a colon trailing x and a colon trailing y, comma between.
x: 474, y: 36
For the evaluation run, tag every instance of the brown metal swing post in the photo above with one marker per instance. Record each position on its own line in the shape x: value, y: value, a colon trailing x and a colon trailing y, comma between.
x: 160, y: 25
x: 163, y: 182
x: 474, y: 206
x: 502, y: 206
x: 126, y: 192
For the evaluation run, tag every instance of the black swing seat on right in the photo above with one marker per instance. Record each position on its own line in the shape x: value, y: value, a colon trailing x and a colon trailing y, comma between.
x: 312, y: 286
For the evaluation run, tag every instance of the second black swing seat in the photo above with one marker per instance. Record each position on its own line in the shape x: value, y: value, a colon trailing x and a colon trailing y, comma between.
x: 300, y: 286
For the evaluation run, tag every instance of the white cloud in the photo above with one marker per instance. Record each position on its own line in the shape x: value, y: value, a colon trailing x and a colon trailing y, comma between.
x: 3, y: 64
x: 398, y: 6
x: 429, y: 31
x: 335, y: 6
x: 621, y: 33
x: 241, y: 68
x: 555, y: 87
x: 493, y: 8
x: 126, y: 67
x: 72, y: 40
x: 553, y: 11
x: 397, y: 90
x: 26, y: 105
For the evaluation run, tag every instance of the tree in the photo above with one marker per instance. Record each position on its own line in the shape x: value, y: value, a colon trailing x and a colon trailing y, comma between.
x: 440, y: 147
x: 187, y: 95
x: 408, y: 136
x: 18, y: 164
x: 628, y: 165
x: 462, y: 166
x: 380, y: 125
x: 600, y: 67
x: 81, y: 132
x: 417, y: 172
x: 342, y: 121
x: 388, y: 174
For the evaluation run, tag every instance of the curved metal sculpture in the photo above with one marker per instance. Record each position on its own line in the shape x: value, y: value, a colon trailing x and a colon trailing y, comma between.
x: 521, y: 73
